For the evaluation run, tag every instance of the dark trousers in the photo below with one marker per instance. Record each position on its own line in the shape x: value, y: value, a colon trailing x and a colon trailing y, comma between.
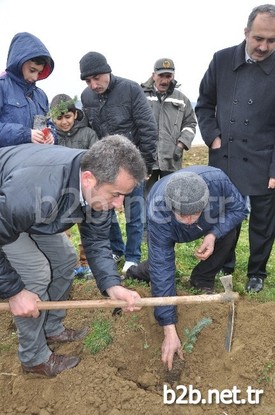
x: 230, y: 263
x: 203, y: 275
x: 261, y: 233
x: 261, y: 236
x: 134, y: 214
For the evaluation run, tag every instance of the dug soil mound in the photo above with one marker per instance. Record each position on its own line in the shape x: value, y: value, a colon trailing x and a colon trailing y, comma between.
x: 128, y: 377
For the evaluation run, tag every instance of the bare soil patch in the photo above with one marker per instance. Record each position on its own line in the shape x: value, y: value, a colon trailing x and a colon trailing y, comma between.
x: 128, y: 376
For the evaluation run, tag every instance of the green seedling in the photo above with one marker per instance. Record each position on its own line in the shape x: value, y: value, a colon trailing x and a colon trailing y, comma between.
x: 136, y: 326
x: 62, y: 108
x: 266, y: 374
x: 192, y: 335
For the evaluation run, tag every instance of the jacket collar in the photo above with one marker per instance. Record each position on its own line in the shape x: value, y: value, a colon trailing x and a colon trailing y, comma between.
x: 266, y: 65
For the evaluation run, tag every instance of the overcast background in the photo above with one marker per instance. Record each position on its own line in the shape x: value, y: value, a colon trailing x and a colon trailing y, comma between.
x: 132, y: 34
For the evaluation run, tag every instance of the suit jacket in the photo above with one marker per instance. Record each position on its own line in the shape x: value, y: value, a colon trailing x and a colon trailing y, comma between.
x: 237, y: 102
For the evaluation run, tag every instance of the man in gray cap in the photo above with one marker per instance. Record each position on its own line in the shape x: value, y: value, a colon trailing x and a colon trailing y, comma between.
x: 116, y: 105
x: 175, y: 118
x: 192, y: 203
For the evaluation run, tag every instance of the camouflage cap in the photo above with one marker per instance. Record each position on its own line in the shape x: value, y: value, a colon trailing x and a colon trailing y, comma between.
x: 164, y: 65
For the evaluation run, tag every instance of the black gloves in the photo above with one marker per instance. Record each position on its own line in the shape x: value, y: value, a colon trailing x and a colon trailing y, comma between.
x: 177, y: 153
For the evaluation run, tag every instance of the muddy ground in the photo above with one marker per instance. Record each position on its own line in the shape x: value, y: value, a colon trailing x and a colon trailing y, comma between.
x: 128, y: 376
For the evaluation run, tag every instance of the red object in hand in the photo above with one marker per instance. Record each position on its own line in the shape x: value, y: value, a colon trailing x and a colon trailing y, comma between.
x: 46, y: 131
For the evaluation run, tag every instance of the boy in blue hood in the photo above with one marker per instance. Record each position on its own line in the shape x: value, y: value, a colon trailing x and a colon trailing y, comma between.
x: 21, y: 100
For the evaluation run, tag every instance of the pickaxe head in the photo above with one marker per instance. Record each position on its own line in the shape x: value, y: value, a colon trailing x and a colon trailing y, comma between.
x: 226, y: 281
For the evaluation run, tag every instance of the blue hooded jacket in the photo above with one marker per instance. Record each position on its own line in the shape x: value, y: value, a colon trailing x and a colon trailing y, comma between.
x: 225, y: 210
x: 20, y: 100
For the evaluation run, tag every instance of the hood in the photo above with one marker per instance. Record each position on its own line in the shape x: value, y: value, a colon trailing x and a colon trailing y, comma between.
x: 149, y: 85
x: 25, y: 46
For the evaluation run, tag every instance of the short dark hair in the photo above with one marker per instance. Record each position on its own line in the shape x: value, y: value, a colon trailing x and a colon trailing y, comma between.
x: 40, y: 60
x: 110, y: 154
x: 264, y: 8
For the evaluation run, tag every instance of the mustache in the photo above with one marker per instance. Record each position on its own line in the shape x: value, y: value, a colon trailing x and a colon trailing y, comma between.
x: 260, y: 52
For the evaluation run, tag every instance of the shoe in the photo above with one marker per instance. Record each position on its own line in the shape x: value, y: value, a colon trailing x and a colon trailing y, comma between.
x: 207, y: 290
x: 140, y: 272
x: 127, y: 265
x: 255, y: 284
x: 83, y: 272
x: 203, y: 290
x: 87, y: 272
x: 68, y: 335
x: 117, y: 258
x: 79, y: 272
x: 227, y: 271
x: 55, y: 365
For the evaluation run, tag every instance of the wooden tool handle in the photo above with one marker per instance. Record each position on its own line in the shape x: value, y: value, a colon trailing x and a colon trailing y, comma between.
x: 142, y: 302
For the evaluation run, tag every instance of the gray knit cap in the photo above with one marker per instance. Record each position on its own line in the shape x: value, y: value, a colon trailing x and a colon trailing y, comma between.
x: 92, y: 64
x: 186, y: 193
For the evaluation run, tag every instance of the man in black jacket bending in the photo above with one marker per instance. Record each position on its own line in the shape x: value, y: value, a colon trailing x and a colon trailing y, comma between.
x: 46, y: 190
x: 116, y: 105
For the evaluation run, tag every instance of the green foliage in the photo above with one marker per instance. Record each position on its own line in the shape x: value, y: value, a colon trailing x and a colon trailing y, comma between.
x: 100, y: 336
x: 75, y: 239
x: 266, y: 375
x: 61, y: 108
x: 192, y: 335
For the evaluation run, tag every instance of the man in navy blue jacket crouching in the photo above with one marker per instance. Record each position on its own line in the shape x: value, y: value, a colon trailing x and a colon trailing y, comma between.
x: 192, y: 203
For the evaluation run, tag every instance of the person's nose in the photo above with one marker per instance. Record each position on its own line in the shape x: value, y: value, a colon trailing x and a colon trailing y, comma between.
x: 34, y: 76
x: 93, y: 84
x: 264, y: 46
x: 189, y: 220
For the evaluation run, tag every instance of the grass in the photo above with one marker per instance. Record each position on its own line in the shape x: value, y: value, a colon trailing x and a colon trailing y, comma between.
x: 100, y: 336
x: 266, y: 373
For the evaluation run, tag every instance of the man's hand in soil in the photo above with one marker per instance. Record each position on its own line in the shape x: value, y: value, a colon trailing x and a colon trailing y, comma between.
x: 171, y: 345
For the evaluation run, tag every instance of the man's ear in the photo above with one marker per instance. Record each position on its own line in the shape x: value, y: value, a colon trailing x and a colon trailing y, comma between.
x: 88, y: 180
